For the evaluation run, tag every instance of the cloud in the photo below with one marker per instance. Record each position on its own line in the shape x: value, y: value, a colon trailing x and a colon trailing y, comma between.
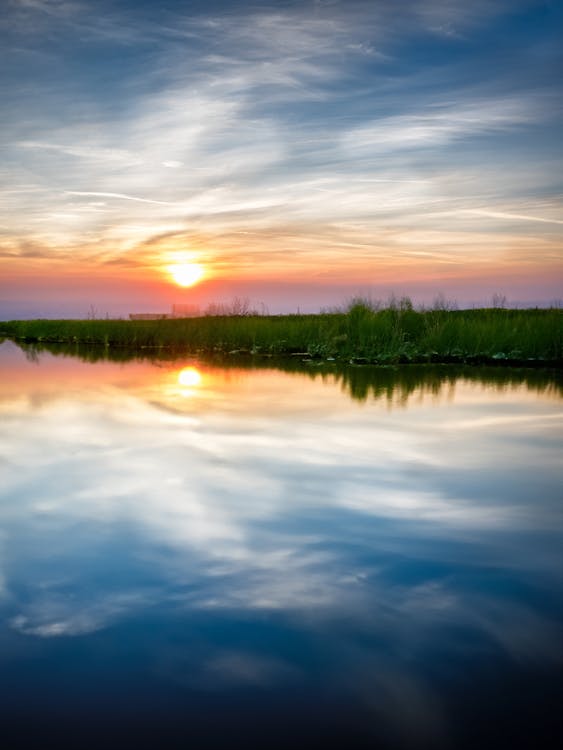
x: 51, y: 615
x: 282, y: 512
x: 301, y: 126
x: 119, y: 196
x: 89, y: 153
x: 440, y: 124
x: 503, y: 215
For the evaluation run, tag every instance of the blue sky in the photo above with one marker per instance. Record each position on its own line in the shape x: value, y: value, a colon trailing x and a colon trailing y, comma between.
x: 299, y: 151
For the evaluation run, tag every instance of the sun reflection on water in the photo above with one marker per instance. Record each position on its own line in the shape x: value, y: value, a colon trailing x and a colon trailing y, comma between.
x: 189, y: 377
x: 189, y: 380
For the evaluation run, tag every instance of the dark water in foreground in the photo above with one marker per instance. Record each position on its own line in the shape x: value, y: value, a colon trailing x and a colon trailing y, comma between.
x: 203, y: 556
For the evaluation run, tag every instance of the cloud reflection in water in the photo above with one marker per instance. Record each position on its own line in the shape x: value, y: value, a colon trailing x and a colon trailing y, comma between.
x: 386, y: 543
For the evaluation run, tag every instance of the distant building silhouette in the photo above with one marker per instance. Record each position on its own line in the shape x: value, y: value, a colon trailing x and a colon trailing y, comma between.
x: 149, y: 316
x: 185, y: 311
x: 178, y: 311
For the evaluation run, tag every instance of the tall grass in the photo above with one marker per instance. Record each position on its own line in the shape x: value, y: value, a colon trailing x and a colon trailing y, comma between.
x: 362, y: 333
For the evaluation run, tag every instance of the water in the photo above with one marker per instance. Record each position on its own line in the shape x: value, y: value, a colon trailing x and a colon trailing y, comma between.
x: 205, y: 555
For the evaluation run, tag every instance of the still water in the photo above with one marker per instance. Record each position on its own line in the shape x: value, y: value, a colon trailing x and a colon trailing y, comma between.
x: 196, y: 554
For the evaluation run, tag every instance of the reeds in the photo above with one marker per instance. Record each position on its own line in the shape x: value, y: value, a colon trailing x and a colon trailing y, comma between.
x: 362, y: 333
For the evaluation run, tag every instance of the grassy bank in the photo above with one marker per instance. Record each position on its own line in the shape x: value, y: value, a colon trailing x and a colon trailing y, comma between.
x: 361, y: 334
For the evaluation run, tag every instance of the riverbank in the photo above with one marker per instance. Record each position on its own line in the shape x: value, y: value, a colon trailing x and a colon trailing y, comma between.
x: 361, y: 335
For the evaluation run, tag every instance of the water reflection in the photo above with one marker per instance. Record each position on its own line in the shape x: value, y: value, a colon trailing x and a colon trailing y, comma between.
x: 271, y: 556
x: 394, y: 384
x: 189, y: 377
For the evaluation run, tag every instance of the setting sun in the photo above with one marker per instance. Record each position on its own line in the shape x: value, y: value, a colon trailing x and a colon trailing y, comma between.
x: 186, y: 274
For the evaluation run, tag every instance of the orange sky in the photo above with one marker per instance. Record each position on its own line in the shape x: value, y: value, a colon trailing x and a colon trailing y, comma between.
x: 303, y: 154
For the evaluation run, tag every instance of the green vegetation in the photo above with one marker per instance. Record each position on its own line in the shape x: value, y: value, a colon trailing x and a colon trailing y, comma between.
x: 361, y: 334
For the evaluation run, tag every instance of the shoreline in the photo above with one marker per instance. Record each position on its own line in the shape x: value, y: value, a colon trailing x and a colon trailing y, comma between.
x: 174, y: 351
x: 361, y: 336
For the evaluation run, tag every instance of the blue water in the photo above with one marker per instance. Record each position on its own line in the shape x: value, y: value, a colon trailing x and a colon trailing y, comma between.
x: 217, y: 555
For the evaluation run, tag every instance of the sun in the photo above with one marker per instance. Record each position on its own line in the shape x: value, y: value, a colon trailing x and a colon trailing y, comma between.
x: 186, y: 274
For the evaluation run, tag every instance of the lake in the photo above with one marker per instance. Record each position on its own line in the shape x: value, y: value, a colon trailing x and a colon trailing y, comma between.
x: 228, y: 553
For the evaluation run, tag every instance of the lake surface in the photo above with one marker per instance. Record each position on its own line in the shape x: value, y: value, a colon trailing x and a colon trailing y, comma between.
x: 196, y: 554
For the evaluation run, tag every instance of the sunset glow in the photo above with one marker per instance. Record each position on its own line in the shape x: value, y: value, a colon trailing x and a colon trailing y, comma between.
x: 306, y: 152
x: 186, y: 274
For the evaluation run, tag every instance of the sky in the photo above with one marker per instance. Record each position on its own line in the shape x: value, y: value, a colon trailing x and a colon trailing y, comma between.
x: 303, y: 153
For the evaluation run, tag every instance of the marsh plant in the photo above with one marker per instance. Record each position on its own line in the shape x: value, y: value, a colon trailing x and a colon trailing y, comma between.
x: 364, y: 332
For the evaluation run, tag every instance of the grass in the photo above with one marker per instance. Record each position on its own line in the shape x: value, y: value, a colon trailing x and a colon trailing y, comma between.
x: 361, y: 334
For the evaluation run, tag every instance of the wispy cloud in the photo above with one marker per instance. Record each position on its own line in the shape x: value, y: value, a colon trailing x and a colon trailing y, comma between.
x: 298, y: 125
x: 51, y: 615
x: 442, y: 123
x: 120, y: 196
x: 503, y: 215
x: 86, y: 153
